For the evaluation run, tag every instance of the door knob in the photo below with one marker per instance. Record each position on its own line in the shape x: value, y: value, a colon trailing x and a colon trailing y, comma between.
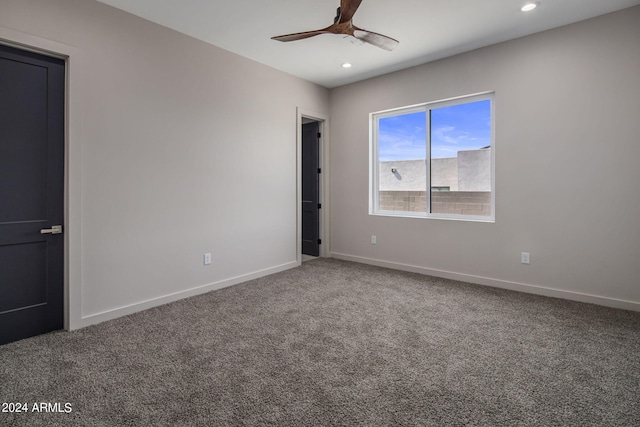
x: 56, y: 229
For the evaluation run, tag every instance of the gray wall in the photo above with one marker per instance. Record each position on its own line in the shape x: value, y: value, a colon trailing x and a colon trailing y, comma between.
x: 567, y: 103
x: 446, y: 202
x: 474, y: 170
x: 444, y: 173
x: 157, y: 122
x: 409, y: 175
x: 469, y: 171
x: 168, y: 142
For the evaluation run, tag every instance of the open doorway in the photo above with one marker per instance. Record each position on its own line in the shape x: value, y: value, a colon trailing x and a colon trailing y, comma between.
x: 311, y: 204
x: 312, y: 242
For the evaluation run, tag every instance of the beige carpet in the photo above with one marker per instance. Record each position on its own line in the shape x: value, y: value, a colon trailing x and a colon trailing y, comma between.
x: 337, y: 343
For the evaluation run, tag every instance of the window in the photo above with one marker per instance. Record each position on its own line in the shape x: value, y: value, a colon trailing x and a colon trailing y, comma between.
x: 434, y: 160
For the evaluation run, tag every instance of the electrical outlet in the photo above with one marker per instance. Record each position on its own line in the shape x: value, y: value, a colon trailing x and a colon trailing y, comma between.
x: 525, y: 258
x: 373, y: 240
x: 207, y: 258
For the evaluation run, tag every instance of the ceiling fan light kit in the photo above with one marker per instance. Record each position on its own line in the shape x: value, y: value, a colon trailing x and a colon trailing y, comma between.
x: 343, y: 25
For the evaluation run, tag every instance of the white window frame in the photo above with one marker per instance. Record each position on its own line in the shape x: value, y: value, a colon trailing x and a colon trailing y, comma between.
x: 374, y: 164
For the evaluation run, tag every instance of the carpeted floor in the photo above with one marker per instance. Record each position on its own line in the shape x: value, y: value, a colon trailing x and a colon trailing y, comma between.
x: 336, y: 343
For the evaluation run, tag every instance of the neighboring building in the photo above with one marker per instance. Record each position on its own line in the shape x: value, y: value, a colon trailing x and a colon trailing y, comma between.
x: 460, y: 185
x: 470, y: 171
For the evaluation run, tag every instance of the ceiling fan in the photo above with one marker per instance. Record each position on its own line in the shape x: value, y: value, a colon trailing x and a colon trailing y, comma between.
x: 343, y: 24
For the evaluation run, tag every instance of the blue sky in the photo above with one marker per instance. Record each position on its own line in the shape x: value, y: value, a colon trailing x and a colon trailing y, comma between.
x: 458, y: 127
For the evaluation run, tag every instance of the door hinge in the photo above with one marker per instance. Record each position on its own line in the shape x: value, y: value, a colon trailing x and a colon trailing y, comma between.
x: 319, y: 135
x: 319, y: 205
x: 319, y: 170
x: 319, y: 241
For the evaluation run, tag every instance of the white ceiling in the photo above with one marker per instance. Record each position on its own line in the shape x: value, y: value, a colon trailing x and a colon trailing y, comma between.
x: 427, y: 29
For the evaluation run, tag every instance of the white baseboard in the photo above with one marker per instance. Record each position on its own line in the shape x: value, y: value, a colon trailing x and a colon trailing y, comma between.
x: 92, y: 319
x: 497, y: 283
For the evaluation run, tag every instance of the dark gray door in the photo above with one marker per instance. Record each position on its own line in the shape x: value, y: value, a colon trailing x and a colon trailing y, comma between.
x: 311, y: 189
x: 31, y: 193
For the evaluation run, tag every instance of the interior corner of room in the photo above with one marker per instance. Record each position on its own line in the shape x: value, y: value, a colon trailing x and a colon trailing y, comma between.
x: 176, y: 150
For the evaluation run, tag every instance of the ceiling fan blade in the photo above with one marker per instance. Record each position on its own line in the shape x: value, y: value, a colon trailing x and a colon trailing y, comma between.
x: 379, y: 40
x: 343, y: 24
x: 299, y: 36
x: 348, y: 9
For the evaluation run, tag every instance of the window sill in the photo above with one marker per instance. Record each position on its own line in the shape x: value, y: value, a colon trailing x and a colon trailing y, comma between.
x: 423, y: 215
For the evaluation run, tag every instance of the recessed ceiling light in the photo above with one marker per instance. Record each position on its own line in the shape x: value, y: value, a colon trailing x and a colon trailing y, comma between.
x: 346, y: 65
x: 530, y: 6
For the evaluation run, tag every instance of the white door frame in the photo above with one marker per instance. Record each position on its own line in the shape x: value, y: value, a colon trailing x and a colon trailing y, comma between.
x: 324, y: 181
